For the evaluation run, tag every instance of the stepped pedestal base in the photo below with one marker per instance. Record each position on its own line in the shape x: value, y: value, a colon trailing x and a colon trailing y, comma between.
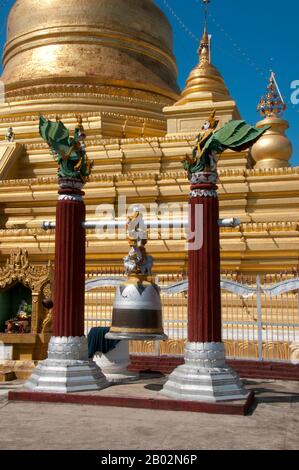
x: 114, y: 364
x: 205, y: 376
x: 67, y: 368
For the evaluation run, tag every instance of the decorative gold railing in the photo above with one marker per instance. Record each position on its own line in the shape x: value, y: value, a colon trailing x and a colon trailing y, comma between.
x: 258, y: 322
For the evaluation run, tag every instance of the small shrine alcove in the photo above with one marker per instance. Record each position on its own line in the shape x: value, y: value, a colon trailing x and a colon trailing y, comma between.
x: 15, y: 308
x: 24, y: 323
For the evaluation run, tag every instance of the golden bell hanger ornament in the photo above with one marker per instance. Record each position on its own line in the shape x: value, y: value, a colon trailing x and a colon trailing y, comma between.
x: 137, y: 309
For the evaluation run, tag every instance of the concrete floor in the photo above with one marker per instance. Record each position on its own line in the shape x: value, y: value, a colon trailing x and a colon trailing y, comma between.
x: 273, y: 424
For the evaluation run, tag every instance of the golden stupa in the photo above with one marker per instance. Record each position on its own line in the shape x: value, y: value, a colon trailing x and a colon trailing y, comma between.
x: 112, y: 62
x: 90, y: 56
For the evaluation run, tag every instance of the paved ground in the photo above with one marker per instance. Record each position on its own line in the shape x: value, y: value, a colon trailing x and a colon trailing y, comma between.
x: 273, y: 424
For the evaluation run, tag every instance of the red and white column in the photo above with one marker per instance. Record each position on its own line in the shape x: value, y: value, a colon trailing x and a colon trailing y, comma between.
x: 69, y: 279
x: 205, y: 376
x: 204, y: 298
x: 68, y: 368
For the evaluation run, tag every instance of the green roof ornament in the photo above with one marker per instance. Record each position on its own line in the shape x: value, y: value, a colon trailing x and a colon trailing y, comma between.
x: 210, y: 143
x: 68, y: 152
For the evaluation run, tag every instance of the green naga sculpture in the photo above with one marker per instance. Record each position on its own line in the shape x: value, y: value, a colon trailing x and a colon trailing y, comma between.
x: 68, y: 152
x: 235, y: 135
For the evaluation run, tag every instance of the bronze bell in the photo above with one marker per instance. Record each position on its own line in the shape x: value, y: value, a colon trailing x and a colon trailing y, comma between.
x: 137, y: 309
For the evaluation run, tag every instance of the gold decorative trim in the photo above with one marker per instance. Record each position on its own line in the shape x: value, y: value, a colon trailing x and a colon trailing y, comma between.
x: 22, y: 232
x: 77, y: 93
x: 67, y: 115
x: 18, y: 269
x: 93, y: 84
x: 270, y: 226
x: 225, y: 172
x: 272, y: 171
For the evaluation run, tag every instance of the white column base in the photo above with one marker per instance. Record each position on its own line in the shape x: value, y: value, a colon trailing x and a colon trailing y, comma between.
x: 114, y: 364
x: 67, y: 368
x: 205, y: 376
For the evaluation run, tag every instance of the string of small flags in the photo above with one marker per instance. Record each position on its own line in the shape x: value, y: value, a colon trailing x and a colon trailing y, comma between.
x: 263, y: 72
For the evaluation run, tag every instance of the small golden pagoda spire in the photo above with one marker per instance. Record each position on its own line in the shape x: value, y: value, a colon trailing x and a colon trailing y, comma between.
x: 205, y: 83
x: 274, y: 149
x: 204, y: 49
x: 272, y: 103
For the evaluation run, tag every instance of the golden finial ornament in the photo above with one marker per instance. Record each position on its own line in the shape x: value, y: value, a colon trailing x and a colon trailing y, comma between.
x: 204, y: 44
x: 272, y: 103
x: 274, y: 149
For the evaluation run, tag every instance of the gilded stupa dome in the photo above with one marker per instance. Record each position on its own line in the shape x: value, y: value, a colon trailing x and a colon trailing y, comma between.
x: 205, y: 79
x: 89, y: 50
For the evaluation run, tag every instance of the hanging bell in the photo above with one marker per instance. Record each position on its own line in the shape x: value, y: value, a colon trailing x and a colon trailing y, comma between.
x: 137, y: 309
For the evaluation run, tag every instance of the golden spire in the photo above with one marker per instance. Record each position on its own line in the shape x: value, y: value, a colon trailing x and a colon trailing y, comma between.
x: 272, y: 103
x: 204, y: 82
x: 206, y: 10
x: 274, y: 149
x: 204, y: 49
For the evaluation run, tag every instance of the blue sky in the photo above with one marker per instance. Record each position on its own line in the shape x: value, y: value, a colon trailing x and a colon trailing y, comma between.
x: 249, y: 39
x: 247, y: 35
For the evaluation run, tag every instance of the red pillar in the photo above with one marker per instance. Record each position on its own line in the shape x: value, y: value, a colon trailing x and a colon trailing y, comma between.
x: 204, y: 297
x: 69, y: 281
